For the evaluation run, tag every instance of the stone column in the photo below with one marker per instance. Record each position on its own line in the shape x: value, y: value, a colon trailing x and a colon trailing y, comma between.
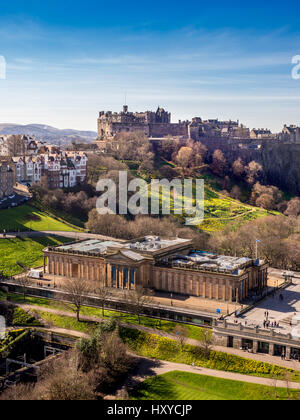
x: 230, y: 293
x: 288, y: 352
x: 271, y: 349
x: 224, y: 291
x: 255, y: 346
x: 237, y: 342
x: 122, y: 278
x: 108, y: 268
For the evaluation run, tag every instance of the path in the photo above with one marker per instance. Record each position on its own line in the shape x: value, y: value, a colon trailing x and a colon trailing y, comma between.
x: 258, y: 357
x: 72, y: 235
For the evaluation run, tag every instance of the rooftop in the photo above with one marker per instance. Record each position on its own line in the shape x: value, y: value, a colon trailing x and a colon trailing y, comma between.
x: 172, y: 252
x: 148, y: 245
x: 206, y: 261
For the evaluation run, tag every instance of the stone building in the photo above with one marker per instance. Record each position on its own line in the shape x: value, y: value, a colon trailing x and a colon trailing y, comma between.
x: 59, y: 170
x: 256, y: 339
x: 152, y: 124
x: 262, y: 133
x: 168, y: 265
x: 290, y: 134
x: 7, y: 179
x: 158, y: 125
x: 23, y: 145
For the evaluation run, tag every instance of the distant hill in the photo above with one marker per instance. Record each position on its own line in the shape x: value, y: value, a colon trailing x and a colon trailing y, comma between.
x: 50, y: 134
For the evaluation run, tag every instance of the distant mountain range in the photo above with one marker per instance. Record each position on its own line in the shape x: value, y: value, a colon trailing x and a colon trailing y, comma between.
x: 49, y: 134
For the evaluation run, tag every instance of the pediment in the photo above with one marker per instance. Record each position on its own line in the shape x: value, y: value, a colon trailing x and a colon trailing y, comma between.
x: 123, y: 259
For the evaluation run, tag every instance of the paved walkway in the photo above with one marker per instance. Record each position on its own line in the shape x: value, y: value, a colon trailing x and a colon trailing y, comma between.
x: 72, y: 235
x: 281, y: 311
x: 258, y: 357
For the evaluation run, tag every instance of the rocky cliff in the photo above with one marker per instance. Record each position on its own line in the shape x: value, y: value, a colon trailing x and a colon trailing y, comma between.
x: 281, y: 164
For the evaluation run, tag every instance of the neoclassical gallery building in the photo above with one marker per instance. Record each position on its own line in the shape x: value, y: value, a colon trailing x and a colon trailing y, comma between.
x: 162, y: 264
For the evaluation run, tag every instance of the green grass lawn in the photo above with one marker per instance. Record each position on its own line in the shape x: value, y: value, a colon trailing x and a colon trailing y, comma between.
x: 178, y: 385
x: 27, y: 251
x: 67, y: 322
x: 27, y: 217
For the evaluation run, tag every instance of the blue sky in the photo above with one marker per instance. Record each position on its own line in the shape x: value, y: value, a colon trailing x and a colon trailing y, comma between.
x: 67, y: 60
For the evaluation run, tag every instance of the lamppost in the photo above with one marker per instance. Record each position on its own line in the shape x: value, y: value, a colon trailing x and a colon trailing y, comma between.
x: 159, y: 311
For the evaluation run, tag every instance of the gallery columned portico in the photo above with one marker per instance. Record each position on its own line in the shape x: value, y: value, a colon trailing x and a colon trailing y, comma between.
x: 170, y: 265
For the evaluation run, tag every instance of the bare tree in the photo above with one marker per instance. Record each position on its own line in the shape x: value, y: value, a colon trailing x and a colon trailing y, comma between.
x: 77, y: 290
x: 287, y: 378
x: 24, y: 281
x: 182, y: 333
x: 205, y: 342
x: 274, y: 378
x: 219, y: 163
x: 293, y: 208
x: 137, y: 299
x: 102, y: 293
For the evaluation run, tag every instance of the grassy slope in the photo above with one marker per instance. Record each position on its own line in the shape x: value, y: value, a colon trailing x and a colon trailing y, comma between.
x: 28, y: 251
x: 178, y: 385
x: 219, y: 210
x: 154, y: 346
x: 21, y: 218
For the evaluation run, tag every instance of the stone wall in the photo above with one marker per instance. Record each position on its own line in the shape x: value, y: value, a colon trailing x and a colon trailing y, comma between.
x: 164, y: 130
x: 234, y: 335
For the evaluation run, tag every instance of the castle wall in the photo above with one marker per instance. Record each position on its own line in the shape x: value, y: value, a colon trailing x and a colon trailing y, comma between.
x: 164, y: 130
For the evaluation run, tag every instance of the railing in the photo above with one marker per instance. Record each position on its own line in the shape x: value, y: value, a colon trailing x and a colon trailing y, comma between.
x: 266, y: 333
